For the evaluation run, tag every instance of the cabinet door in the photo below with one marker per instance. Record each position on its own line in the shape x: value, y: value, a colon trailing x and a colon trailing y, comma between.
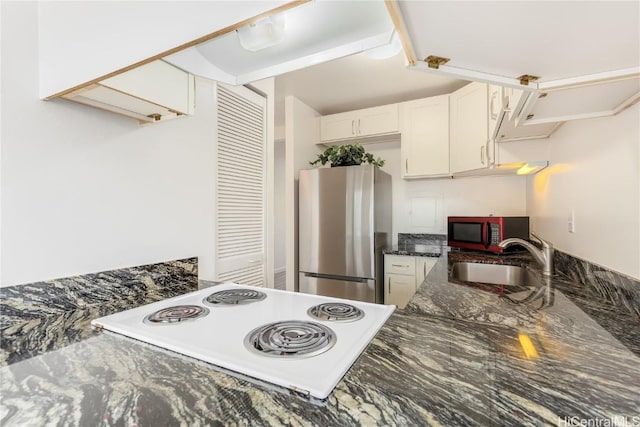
x: 398, y: 289
x: 469, y: 128
x: 516, y: 99
x: 423, y: 267
x: 377, y: 120
x: 158, y: 83
x: 425, y: 137
x: 338, y: 126
x: 497, y: 109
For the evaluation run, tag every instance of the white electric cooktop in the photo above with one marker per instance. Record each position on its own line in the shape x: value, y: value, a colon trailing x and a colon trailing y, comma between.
x: 302, y: 342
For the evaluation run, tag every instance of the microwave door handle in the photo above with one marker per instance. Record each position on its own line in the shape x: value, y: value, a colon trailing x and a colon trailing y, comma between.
x: 487, y: 236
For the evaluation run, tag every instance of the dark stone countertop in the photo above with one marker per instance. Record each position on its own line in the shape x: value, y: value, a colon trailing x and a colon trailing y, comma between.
x: 453, y: 357
x: 432, y: 254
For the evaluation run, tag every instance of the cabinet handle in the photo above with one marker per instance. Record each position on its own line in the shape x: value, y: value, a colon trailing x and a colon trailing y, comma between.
x: 358, y: 126
x: 494, y: 115
x: 424, y: 265
x: 482, y: 154
x: 406, y: 165
x: 486, y: 150
x: 400, y: 265
x: 389, y: 285
x: 353, y: 127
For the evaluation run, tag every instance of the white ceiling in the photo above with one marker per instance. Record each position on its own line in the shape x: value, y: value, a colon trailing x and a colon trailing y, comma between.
x: 356, y: 82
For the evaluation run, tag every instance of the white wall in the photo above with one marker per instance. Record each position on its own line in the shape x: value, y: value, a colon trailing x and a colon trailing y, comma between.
x: 85, y: 190
x: 301, y: 135
x: 422, y: 206
x: 279, y: 206
x: 267, y: 88
x: 594, y: 172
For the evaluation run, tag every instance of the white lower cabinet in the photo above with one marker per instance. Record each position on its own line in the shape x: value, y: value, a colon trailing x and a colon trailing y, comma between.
x: 398, y: 289
x: 403, y: 274
x: 423, y: 267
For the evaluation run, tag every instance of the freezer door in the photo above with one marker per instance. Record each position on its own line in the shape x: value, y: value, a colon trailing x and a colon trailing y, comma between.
x: 336, y: 221
x: 349, y: 288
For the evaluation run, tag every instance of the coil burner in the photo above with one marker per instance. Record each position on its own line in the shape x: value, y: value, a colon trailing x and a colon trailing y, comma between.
x: 176, y: 314
x: 336, y: 312
x: 234, y: 296
x: 290, y: 339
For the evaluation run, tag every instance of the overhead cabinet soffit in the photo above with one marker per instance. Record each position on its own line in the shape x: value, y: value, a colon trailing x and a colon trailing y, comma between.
x: 148, y: 89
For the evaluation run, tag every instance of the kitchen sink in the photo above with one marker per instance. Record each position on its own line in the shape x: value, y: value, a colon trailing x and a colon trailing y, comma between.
x: 496, y: 274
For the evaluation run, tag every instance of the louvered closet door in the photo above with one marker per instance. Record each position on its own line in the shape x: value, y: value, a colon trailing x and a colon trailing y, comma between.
x: 240, y: 186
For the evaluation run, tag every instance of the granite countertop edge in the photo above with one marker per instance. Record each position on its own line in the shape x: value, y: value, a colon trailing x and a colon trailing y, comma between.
x: 425, y: 366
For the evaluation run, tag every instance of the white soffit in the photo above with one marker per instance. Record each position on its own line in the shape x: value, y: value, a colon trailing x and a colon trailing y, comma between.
x: 551, y: 39
x: 315, y: 32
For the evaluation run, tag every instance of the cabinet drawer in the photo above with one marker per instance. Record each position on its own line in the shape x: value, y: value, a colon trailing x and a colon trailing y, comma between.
x: 398, y: 264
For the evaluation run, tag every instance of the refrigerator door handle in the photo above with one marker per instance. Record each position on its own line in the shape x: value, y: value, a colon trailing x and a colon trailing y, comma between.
x: 332, y: 277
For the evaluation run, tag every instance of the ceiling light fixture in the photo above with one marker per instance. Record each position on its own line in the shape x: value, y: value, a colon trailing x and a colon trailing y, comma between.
x: 263, y: 33
x: 388, y: 50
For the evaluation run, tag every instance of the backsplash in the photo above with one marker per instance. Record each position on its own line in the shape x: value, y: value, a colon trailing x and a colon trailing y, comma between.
x: 29, y: 312
x: 431, y: 243
x: 610, y: 298
x: 593, y: 282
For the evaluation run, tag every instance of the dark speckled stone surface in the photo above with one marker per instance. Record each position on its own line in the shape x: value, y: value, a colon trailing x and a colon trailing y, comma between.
x: 429, y: 245
x: 43, y: 316
x: 454, y: 357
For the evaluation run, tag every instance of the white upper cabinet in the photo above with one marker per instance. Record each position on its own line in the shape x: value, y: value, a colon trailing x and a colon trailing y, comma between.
x: 514, y: 103
x: 573, y: 59
x: 475, y: 120
x: 149, y: 93
x: 425, y: 137
x: 498, y: 109
x: 588, y: 99
x: 373, y: 122
x: 469, y: 128
x: 78, y: 43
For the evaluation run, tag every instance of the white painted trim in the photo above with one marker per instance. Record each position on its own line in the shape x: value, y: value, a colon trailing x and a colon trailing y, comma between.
x: 589, y: 79
x: 526, y: 138
x: 627, y: 103
x: 267, y: 89
x: 604, y: 113
x: 477, y: 76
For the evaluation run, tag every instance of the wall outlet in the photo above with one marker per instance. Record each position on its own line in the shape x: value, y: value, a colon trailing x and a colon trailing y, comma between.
x: 571, y: 223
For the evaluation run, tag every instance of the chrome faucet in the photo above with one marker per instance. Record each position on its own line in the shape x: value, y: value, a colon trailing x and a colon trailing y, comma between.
x: 543, y: 256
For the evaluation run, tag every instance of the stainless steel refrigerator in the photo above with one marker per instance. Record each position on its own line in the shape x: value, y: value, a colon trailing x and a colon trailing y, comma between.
x: 344, y: 223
